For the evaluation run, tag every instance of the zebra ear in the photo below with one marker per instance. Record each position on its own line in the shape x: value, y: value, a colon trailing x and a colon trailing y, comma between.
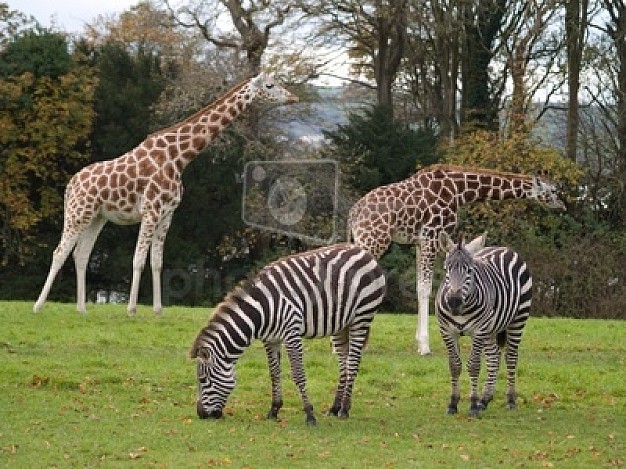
x: 445, y: 242
x: 476, y: 244
x: 200, y: 352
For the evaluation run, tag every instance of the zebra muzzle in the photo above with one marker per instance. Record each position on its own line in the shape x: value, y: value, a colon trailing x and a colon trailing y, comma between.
x: 455, y: 302
x: 205, y: 414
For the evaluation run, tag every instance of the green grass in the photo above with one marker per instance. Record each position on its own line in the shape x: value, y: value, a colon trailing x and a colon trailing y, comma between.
x: 106, y: 390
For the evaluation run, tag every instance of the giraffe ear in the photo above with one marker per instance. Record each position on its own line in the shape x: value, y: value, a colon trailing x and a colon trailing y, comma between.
x: 476, y: 244
x: 445, y: 242
x: 260, y: 78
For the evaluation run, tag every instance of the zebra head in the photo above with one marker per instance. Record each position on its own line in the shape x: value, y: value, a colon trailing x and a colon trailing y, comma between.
x: 546, y: 192
x: 458, y: 283
x: 216, y: 380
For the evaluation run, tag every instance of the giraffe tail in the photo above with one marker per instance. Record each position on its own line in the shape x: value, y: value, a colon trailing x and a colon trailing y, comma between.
x: 352, y: 215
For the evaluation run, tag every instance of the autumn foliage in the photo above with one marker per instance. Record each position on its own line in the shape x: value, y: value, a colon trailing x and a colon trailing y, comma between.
x: 42, y: 142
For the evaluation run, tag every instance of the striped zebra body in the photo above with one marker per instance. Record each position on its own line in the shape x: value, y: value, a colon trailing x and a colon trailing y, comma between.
x: 486, y: 294
x: 332, y: 291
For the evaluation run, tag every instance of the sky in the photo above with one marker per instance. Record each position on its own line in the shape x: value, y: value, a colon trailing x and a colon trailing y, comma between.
x: 69, y: 15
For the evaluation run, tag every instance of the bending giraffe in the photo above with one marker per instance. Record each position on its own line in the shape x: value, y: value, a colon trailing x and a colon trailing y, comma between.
x: 144, y: 186
x: 415, y: 210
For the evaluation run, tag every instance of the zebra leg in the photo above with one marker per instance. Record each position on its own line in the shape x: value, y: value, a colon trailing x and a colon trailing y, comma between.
x: 455, y: 365
x: 356, y: 342
x: 511, y: 356
x: 294, y: 351
x: 492, y: 362
x: 473, y: 368
x: 272, y: 350
x: 340, y: 347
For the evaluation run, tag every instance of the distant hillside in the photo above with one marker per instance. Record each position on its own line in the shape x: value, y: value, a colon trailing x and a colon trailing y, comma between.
x: 325, y: 110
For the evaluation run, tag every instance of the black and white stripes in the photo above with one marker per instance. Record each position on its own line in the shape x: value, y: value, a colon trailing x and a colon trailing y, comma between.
x: 486, y: 294
x: 332, y: 291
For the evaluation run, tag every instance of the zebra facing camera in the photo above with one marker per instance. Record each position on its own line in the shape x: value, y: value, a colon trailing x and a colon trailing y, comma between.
x: 296, y: 198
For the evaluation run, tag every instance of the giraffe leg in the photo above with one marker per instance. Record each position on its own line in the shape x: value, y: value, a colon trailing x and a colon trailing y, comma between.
x: 84, y: 246
x: 425, y: 261
x: 144, y: 239
x: 68, y: 240
x: 156, y: 261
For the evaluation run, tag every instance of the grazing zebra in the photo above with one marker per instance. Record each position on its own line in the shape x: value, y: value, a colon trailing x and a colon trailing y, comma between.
x: 486, y: 294
x: 332, y: 291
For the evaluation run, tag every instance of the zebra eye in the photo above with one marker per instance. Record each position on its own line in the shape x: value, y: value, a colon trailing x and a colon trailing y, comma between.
x: 269, y: 86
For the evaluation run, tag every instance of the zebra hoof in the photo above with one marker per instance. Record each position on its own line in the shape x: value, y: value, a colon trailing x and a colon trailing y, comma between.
x: 310, y: 421
x: 452, y: 410
x: 343, y: 414
x: 272, y: 415
x: 332, y: 412
x: 511, y: 406
x: 474, y: 413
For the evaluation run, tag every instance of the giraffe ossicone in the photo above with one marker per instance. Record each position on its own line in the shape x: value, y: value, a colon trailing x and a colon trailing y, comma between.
x: 144, y: 186
x: 415, y: 210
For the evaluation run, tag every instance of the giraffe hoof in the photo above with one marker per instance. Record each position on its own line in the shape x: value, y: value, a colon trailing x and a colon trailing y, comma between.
x: 425, y: 351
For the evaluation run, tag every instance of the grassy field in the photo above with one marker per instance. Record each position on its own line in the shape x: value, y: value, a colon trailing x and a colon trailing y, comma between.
x: 107, y: 390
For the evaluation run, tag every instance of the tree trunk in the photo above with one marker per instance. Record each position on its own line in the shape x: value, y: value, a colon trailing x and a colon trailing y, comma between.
x: 391, y: 43
x: 479, y: 106
x: 618, y: 33
x: 575, y: 26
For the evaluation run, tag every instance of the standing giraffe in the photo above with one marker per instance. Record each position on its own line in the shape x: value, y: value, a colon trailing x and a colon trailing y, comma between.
x: 144, y: 186
x: 415, y: 210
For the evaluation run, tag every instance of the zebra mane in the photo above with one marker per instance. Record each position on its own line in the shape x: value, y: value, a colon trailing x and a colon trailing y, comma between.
x: 446, y: 168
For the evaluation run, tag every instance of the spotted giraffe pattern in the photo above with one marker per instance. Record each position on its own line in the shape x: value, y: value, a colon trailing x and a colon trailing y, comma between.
x: 144, y: 186
x: 415, y: 210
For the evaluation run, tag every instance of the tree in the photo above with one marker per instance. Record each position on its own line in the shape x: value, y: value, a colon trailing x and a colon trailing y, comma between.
x: 526, y: 29
x: 617, y: 31
x: 376, y: 34
x: 480, y: 98
x: 431, y: 69
x: 375, y: 149
x: 48, y: 94
x: 129, y: 85
x: 576, y: 23
x: 252, y: 25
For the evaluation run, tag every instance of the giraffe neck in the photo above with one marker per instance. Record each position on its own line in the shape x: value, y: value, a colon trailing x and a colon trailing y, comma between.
x: 462, y: 185
x: 479, y: 186
x: 182, y: 142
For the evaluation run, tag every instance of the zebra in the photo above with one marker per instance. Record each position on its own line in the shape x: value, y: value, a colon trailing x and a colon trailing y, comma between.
x: 486, y: 294
x: 331, y: 291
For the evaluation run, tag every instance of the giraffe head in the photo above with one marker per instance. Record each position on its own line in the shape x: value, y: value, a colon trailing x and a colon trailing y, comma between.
x: 265, y: 88
x: 545, y: 192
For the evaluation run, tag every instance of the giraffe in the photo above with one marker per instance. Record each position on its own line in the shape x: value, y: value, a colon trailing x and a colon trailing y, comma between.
x: 144, y: 186
x: 415, y: 210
